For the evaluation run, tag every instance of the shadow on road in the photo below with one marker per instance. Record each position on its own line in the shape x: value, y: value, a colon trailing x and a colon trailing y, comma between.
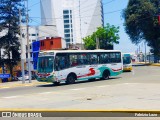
x: 77, y: 82
x: 126, y: 71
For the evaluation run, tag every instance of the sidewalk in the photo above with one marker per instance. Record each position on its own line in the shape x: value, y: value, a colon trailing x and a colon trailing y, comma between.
x: 149, y: 64
x: 20, y: 84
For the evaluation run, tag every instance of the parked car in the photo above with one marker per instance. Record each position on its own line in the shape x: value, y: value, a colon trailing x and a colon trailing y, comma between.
x: 26, y: 77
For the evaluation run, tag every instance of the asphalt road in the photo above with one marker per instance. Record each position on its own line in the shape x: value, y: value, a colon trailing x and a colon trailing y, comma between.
x: 138, y: 90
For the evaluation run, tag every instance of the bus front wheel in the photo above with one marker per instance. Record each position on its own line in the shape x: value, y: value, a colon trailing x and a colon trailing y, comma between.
x: 105, y: 75
x: 71, y: 79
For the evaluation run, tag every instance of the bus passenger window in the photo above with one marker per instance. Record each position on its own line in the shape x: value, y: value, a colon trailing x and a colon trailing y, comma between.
x: 62, y: 63
x: 74, y: 63
x: 94, y: 59
x: 57, y: 64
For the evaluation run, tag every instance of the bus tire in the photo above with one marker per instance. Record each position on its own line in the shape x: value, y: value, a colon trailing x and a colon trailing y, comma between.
x: 56, y: 83
x: 105, y: 75
x: 71, y: 79
x: 92, y: 79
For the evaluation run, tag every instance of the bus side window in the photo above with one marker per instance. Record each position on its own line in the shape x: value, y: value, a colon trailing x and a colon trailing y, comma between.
x: 73, y: 60
x: 61, y: 61
x: 112, y: 57
x: 101, y: 58
x: 107, y: 58
x: 74, y: 63
x: 94, y: 59
x: 56, y: 63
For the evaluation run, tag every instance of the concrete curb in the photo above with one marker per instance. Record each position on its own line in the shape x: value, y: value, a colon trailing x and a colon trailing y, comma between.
x: 14, y: 85
x: 146, y: 64
x: 155, y: 65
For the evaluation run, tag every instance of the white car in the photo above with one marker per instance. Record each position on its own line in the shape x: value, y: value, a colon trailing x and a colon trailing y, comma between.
x: 26, y: 77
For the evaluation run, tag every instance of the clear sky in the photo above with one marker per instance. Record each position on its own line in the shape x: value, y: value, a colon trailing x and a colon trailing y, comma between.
x: 112, y: 15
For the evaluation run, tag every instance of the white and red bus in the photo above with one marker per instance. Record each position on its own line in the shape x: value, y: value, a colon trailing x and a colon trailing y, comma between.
x: 69, y: 66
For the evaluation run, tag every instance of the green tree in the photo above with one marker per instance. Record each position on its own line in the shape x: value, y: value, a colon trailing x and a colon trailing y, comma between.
x: 9, y: 26
x: 107, y: 36
x: 141, y: 22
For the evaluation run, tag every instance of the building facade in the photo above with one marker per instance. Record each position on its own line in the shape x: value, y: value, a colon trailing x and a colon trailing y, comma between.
x: 74, y: 19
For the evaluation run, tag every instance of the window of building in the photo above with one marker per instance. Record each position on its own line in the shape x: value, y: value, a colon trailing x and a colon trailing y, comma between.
x: 26, y: 47
x: 34, y: 55
x: 42, y: 43
x: 67, y: 35
x: 65, y: 11
x: 26, y: 55
x: 66, y: 30
x: 33, y: 34
x: 51, y: 42
x: 23, y: 35
x: 66, y: 26
x: 66, y: 16
x: 67, y: 39
x: 66, y: 21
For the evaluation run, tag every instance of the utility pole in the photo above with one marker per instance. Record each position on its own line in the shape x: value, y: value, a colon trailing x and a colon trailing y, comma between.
x: 80, y: 23
x: 97, y: 42
x: 28, y: 46
x: 22, y: 58
x: 102, y: 12
x: 145, y: 51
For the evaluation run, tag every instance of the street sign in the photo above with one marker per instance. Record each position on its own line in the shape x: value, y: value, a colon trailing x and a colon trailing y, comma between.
x: 5, y: 75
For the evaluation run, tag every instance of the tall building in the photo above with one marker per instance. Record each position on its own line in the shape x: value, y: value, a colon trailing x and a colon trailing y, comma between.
x: 74, y: 19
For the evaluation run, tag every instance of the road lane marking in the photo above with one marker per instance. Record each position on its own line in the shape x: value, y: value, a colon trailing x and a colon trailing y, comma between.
x: 45, y: 93
x: 11, y: 97
x: 102, y: 86
x: 78, y: 89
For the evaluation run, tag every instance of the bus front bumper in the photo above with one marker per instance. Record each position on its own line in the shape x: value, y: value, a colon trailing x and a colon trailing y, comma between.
x: 46, y: 79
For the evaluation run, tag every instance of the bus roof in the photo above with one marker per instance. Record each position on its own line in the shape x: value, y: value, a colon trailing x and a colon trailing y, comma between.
x: 76, y: 51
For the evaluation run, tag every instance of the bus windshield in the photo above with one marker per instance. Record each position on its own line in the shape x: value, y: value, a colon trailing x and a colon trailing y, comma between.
x: 45, y: 64
x: 126, y: 59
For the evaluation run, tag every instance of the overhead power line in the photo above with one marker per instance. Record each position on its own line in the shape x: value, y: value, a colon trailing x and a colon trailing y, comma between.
x: 83, y: 8
x: 84, y: 16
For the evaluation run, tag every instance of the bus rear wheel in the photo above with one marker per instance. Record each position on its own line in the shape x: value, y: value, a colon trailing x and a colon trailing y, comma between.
x: 105, y: 75
x: 71, y: 79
